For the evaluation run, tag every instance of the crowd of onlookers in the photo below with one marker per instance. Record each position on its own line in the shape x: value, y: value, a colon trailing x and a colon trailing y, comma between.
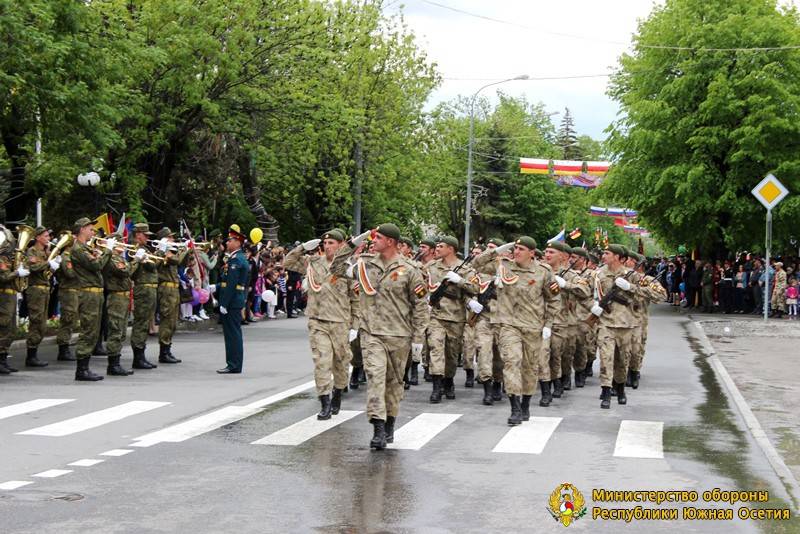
x: 730, y: 286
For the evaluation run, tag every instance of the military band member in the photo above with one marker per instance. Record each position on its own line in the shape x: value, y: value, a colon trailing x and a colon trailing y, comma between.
x: 38, y: 293
x: 8, y: 297
x: 526, y: 295
x: 231, y: 292
x: 169, y: 299
x: 145, y: 295
x: 650, y: 290
x: 68, y: 297
x: 392, y: 320
x: 117, y: 277
x: 585, y: 339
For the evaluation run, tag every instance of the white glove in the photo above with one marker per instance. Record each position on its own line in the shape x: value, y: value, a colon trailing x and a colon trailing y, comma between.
x: 54, y: 265
x: 212, y: 289
x: 357, y: 240
x: 111, y: 243
x: 223, y: 310
x: 475, y: 306
x: 350, y: 269
x: 163, y: 245
x: 311, y: 244
x: 453, y: 277
x: 622, y: 284
x: 502, y: 249
x: 22, y: 272
x: 597, y: 310
x: 546, y: 333
x: 560, y: 281
x: 352, y: 335
x: 416, y: 350
x: 140, y: 254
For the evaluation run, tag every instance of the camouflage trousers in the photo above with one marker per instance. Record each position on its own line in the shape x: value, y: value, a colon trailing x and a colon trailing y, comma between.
x: 779, y: 300
x: 585, y: 346
x: 562, y: 350
x: 38, y: 298
x: 385, y: 363
x: 117, y: 310
x: 169, y: 303
x: 331, y: 353
x: 470, y: 345
x: 520, y: 349
x: 356, y: 359
x: 444, y: 340
x: 639, y: 345
x: 144, y: 309
x: 490, y: 364
x: 90, y: 308
x: 614, y: 345
x: 68, y: 321
x: 8, y: 312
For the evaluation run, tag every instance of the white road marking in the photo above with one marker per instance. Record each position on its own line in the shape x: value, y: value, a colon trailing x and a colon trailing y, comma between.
x: 53, y: 473
x: 14, y: 484
x: 530, y: 437
x: 116, y: 452
x: 420, y: 430
x: 306, y: 429
x: 94, y: 419
x: 640, y: 439
x: 30, y: 406
x: 86, y: 462
x: 214, y: 420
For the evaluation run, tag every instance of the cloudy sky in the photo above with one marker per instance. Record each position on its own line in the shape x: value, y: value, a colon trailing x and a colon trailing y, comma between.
x: 541, y: 39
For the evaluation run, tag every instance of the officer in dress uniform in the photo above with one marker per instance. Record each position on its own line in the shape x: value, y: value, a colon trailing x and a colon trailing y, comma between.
x: 231, y: 293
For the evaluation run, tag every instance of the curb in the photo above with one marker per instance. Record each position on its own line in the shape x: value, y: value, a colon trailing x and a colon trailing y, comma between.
x: 756, y: 430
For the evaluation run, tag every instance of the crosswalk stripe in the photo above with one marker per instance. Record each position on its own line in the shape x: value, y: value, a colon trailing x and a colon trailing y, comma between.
x: 640, y: 439
x: 94, y: 419
x: 14, y: 484
x: 116, y: 452
x: 420, y: 430
x: 530, y: 437
x: 30, y: 406
x: 306, y: 429
x: 86, y: 462
x: 53, y: 473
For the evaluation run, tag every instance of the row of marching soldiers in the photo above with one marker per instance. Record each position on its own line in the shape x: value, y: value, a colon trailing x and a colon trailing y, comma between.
x: 90, y: 270
x: 531, y: 319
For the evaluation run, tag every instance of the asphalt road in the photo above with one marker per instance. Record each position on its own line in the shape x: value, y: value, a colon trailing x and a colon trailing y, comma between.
x: 178, y: 452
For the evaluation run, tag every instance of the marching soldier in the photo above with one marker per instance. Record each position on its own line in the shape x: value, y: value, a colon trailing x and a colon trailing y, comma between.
x: 169, y: 300
x: 38, y: 293
x: 594, y: 264
x: 332, y: 318
x: 231, y: 292
x: 584, y: 340
x: 490, y: 365
x: 650, y: 290
x: 145, y: 296
x: 68, y: 298
x: 447, y: 316
x: 526, y: 295
x: 117, y: 276
x: 88, y: 263
x: 425, y: 255
x: 8, y: 297
x: 392, y: 309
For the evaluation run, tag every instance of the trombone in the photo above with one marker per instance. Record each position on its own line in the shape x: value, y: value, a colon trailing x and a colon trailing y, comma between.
x: 131, y: 249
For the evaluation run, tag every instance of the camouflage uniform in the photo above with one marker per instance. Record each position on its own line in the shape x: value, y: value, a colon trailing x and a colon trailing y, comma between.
x: 779, y: 292
x: 67, y: 299
x: 145, y: 293
x: 565, y: 329
x: 8, y: 301
x: 169, y: 299
x: 490, y: 365
x: 650, y: 290
x: 37, y: 295
x: 88, y: 266
x: 117, y: 275
x: 586, y: 340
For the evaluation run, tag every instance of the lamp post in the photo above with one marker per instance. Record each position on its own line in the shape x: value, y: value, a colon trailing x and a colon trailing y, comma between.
x: 468, y: 212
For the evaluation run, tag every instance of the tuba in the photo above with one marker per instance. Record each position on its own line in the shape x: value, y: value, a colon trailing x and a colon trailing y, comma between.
x: 24, y: 236
x: 65, y: 240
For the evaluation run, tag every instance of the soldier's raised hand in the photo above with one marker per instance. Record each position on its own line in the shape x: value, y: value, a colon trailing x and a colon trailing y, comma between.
x: 360, y: 238
x: 311, y: 244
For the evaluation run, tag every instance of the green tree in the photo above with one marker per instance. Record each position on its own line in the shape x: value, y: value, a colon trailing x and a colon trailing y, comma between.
x: 567, y: 137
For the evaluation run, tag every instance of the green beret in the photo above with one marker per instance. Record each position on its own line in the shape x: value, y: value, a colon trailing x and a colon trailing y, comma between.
x: 619, y: 250
x: 389, y: 230
x: 80, y: 223
x: 39, y: 231
x: 449, y: 240
x: 496, y: 241
x: 594, y: 259
x: 578, y: 251
x: 559, y: 246
x: 527, y: 242
x: 428, y: 241
x: 335, y: 234
x: 627, y: 251
x: 538, y: 253
x: 407, y: 241
x: 164, y: 232
x: 638, y: 257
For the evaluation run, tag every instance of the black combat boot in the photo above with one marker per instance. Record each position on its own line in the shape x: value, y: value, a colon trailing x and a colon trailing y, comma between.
x: 165, y: 356
x: 516, y: 411
x: 497, y: 390
x: 588, y: 371
x: 566, y: 381
x: 427, y: 376
x: 629, y: 379
x: 362, y: 375
x: 140, y: 361
x: 378, y: 440
x: 336, y: 401
x: 4, y: 370
x: 580, y: 381
x: 325, y: 411
x: 487, y: 393
x: 414, y: 374
x: 436, y: 394
x: 525, y: 407
x: 449, y: 388
x: 613, y: 388
x: 470, y: 382
x: 115, y: 369
x: 407, y: 378
x: 83, y: 373
x: 635, y: 379
x: 99, y: 350
x: 621, y: 398
x: 605, y: 397
x: 557, y: 389
x: 32, y: 360
x: 64, y: 354
x: 547, y: 397
x: 169, y: 353
x: 354, y: 378
x: 4, y: 363
x: 389, y: 429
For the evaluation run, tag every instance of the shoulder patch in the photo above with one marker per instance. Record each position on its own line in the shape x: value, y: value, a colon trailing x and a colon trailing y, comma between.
x: 420, y: 291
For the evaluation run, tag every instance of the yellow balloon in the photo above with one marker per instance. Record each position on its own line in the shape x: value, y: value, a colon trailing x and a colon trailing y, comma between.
x: 235, y: 228
x: 256, y: 234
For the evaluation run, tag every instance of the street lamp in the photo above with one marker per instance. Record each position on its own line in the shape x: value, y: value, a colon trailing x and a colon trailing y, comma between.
x: 468, y: 213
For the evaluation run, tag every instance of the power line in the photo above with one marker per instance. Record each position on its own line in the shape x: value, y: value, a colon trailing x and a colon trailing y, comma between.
x: 607, y: 41
x: 538, y: 79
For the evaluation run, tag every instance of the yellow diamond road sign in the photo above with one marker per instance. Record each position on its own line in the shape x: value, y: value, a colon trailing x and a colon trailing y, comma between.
x: 770, y: 191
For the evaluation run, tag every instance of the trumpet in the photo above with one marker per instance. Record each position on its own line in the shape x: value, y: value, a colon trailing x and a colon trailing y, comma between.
x: 25, y: 234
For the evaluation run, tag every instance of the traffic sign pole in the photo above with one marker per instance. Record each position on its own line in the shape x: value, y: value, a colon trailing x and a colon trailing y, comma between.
x: 769, y: 192
x: 768, y: 244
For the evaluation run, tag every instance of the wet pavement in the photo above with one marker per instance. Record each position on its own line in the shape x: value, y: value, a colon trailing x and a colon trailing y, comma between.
x: 219, y: 481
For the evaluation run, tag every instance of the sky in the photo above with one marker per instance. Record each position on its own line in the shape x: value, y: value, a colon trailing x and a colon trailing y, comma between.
x: 545, y: 39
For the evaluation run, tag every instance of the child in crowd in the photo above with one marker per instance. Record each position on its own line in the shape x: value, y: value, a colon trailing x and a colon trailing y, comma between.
x: 791, y: 298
